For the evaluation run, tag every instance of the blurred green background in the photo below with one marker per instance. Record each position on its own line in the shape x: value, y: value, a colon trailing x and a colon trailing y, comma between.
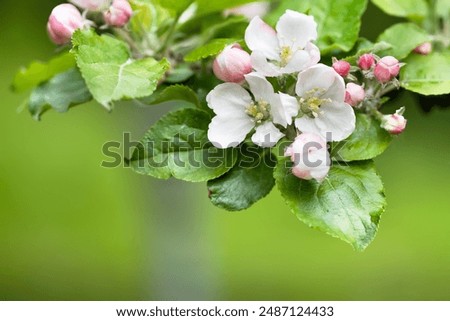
x: 72, y: 230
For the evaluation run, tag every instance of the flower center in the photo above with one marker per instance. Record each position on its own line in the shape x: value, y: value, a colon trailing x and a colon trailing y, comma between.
x: 311, y: 102
x: 259, y: 111
x: 285, y: 55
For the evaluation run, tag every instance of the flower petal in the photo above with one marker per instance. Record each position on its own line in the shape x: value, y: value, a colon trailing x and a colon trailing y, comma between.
x: 229, y: 99
x: 321, y: 77
x: 267, y: 135
x: 262, y: 66
x: 226, y: 131
x: 296, y: 29
x: 289, y: 109
x: 260, y: 87
x: 336, y: 123
x: 261, y: 37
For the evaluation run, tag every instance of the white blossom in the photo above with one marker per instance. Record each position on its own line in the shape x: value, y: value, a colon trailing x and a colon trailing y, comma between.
x: 288, y: 49
x: 323, y: 110
x: 238, y: 113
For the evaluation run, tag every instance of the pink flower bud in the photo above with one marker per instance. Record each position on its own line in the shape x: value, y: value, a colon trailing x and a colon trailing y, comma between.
x: 395, y: 124
x: 354, y: 94
x: 342, y: 67
x: 118, y: 14
x: 93, y: 5
x: 310, y: 156
x: 366, y: 61
x: 424, y: 49
x: 250, y: 10
x: 63, y: 22
x: 232, y: 64
x: 387, y: 69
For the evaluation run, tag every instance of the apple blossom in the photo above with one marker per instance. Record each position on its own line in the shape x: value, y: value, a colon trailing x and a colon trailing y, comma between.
x: 250, y: 10
x: 232, y: 64
x: 63, y: 22
x: 237, y: 113
x: 310, y: 156
x: 387, y: 69
x: 93, y: 5
x: 354, y: 94
x: 288, y: 49
x: 424, y: 49
x: 323, y: 110
x: 342, y: 67
x: 118, y: 14
x: 366, y: 61
x: 395, y: 124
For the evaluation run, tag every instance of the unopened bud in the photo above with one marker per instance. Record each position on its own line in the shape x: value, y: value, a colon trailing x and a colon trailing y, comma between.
x: 354, y: 94
x: 342, y: 67
x: 232, y: 64
x: 63, y: 22
x: 424, y: 49
x: 387, y: 69
x: 310, y: 156
x: 366, y: 61
x: 93, y: 5
x: 395, y: 124
x: 118, y: 14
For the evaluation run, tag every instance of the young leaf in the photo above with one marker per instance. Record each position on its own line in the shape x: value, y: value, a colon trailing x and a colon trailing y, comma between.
x: 413, y: 9
x: 59, y: 93
x: 110, y: 73
x: 173, y: 93
x: 38, y: 72
x: 427, y: 75
x: 338, y: 21
x: 177, y: 146
x: 208, y: 6
x: 247, y: 182
x: 411, y: 36
x: 213, y: 48
x: 368, y: 141
x: 364, y: 46
x: 347, y: 205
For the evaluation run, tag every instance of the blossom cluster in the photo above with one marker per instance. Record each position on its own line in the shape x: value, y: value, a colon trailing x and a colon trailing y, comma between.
x: 314, y: 108
x: 66, y: 18
x: 281, y: 89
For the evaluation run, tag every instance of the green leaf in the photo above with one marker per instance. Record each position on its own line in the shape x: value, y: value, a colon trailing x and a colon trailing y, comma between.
x: 443, y: 8
x: 176, y: 5
x: 247, y: 182
x: 38, y: 72
x: 413, y: 9
x: 148, y: 17
x: 404, y: 38
x: 347, y: 205
x: 59, y: 93
x: 338, y: 21
x: 173, y: 93
x: 213, y: 48
x: 110, y: 73
x: 427, y: 75
x: 177, y: 146
x: 180, y: 74
x: 368, y: 141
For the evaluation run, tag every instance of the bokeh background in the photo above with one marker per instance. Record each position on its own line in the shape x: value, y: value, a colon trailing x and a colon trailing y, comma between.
x: 72, y: 230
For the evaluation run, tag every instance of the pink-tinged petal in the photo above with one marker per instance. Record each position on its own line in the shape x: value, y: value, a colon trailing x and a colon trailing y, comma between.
x: 324, y: 78
x: 296, y: 29
x: 229, y: 99
x: 261, y: 37
x: 260, y: 87
x: 267, y: 135
x: 335, y: 123
x: 262, y: 66
x: 229, y: 131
